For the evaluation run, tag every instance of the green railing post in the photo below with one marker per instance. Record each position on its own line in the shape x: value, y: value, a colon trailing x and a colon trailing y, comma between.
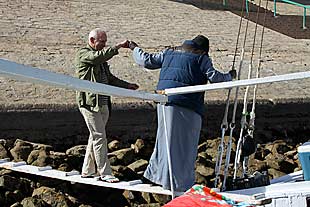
x: 274, y: 8
x: 224, y: 2
x: 304, y: 19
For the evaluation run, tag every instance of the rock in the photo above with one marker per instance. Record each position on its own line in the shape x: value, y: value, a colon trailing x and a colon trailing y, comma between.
x: 26, y: 187
x: 51, y: 197
x: 21, y: 150
x: 113, y: 159
x: 65, y: 167
x: 7, y: 143
x: 205, y: 160
x: 114, y: 145
x: 57, y: 159
x: 161, y: 199
x: 78, y: 150
x: 278, y: 147
x: 39, y: 158
x: 17, y: 204
x: 204, y: 171
x: 143, y: 149
x: 133, y: 197
x: 138, y: 146
x: 273, y: 160
x: 202, y: 147
x: 212, y: 147
x: 45, y: 147
x: 287, y: 165
x: 13, y: 197
x: 9, y: 183
x: 139, y: 165
x: 150, y: 205
x: 3, y: 152
x: 273, y: 173
x: 258, y: 165
x: 124, y: 173
x: 261, y: 153
x: 125, y: 156
x: 33, y: 202
x: 291, y: 154
x: 5, y: 172
x: 147, y: 197
x: 200, y: 179
x: 75, y: 161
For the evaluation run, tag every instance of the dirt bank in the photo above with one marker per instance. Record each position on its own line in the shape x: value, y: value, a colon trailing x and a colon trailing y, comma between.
x: 62, y: 126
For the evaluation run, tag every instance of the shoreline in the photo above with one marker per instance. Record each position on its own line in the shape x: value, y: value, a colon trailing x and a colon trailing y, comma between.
x: 63, y: 125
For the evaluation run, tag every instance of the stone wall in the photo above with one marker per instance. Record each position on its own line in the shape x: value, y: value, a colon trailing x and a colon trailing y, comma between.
x: 63, y: 126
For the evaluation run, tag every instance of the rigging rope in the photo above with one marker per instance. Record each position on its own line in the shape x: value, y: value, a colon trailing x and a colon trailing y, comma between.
x: 251, y: 124
x: 233, y: 121
x: 224, y: 125
x: 252, y: 114
x: 245, y: 102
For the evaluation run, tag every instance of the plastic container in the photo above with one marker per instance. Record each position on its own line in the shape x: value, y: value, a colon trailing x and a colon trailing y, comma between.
x: 304, y: 158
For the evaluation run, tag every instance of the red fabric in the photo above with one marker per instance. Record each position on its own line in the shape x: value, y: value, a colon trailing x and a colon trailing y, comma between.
x: 201, y: 196
x: 196, y: 200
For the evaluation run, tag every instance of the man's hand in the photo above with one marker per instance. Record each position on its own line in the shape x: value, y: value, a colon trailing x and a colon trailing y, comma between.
x: 132, y: 86
x: 132, y: 45
x: 233, y: 73
x: 124, y: 44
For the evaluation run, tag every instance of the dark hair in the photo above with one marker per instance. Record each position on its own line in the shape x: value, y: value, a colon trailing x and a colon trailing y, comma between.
x: 200, y: 44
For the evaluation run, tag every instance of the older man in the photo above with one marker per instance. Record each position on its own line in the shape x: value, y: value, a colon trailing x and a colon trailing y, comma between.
x: 182, y: 115
x: 91, y: 64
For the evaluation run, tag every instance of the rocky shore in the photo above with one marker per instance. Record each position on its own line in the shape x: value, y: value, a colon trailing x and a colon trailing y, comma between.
x: 128, y: 161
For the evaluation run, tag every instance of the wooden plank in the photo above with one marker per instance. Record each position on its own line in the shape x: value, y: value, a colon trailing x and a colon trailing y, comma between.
x: 75, y: 177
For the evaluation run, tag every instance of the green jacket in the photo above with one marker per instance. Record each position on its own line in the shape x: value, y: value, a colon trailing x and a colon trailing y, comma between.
x: 92, y: 65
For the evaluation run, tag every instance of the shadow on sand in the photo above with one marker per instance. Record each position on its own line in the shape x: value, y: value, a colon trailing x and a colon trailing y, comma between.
x: 289, y: 25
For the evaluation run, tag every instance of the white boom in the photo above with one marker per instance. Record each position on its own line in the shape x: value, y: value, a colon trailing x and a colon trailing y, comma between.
x: 238, y: 83
x: 34, y: 75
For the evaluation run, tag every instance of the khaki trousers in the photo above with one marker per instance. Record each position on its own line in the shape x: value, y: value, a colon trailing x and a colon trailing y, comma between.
x: 97, y: 150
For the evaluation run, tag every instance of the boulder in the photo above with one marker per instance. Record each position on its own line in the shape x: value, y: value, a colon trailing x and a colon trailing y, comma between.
x: 287, y: 165
x: 57, y: 159
x: 51, y: 197
x: 202, y: 147
x: 78, y: 150
x: 278, y: 147
x: 39, y: 158
x: 273, y: 173
x: 13, y: 197
x: 114, y: 145
x: 200, y: 179
x: 33, y: 202
x: 45, y: 147
x: 138, y: 146
x: 21, y: 150
x: 161, y: 199
x: 9, y: 183
x: 139, y: 165
x: 204, y: 171
x: 125, y: 156
x: 3, y: 152
x: 124, y: 173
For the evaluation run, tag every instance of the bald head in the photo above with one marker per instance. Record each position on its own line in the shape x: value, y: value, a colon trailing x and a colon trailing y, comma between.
x: 97, y: 39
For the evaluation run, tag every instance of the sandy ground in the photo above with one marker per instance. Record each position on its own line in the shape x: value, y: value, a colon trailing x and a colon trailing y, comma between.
x: 47, y: 33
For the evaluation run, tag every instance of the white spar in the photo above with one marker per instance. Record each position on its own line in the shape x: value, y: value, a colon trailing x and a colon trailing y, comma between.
x: 34, y: 75
x: 237, y: 83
